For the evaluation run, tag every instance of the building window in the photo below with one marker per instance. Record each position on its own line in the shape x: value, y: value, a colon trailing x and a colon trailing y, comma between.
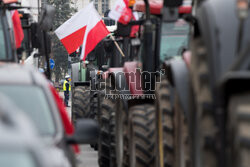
x: 96, y: 6
x: 105, y: 6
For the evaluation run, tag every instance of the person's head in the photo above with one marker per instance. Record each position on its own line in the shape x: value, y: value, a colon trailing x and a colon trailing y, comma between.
x: 41, y: 70
x: 67, y: 77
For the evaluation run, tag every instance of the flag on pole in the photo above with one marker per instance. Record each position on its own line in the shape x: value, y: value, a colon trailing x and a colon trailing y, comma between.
x: 85, y: 29
x: 121, y: 12
x: 17, y: 26
x: 134, y: 29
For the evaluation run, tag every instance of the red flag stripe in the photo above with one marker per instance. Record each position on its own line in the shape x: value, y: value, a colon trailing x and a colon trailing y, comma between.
x: 74, y: 40
x: 95, y: 35
x: 18, y: 30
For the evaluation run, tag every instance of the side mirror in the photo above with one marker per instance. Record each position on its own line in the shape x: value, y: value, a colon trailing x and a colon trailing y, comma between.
x: 47, y: 17
x: 86, y: 132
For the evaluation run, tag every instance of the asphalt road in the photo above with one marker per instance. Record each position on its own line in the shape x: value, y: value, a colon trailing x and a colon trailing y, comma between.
x: 88, y: 156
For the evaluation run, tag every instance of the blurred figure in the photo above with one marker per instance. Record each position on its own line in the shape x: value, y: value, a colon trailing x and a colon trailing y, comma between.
x: 66, y: 89
x: 41, y: 70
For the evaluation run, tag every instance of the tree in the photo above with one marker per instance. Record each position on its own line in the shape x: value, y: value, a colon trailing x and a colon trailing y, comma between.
x: 64, y: 11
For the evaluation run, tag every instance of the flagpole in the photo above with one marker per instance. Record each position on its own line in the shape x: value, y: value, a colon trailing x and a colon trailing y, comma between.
x: 116, y: 44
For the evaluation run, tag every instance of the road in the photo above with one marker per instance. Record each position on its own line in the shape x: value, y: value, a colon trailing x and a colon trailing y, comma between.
x: 88, y: 157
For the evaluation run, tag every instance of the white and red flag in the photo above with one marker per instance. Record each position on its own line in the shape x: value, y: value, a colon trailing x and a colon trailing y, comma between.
x: 121, y: 12
x: 85, y: 29
x: 17, y: 26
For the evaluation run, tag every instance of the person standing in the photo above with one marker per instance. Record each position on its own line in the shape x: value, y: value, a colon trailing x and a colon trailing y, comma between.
x: 66, y: 90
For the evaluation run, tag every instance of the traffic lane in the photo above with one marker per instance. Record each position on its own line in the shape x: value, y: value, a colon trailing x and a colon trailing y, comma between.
x: 68, y: 108
x: 88, y: 156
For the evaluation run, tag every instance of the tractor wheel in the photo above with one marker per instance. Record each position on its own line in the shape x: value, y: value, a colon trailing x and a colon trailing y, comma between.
x: 238, y: 130
x: 119, y: 144
x: 125, y: 141
x: 204, y: 126
x: 172, y: 147
x: 80, y: 103
x: 84, y: 106
x: 94, y: 107
x: 140, y: 133
x: 107, y: 132
x: 164, y: 145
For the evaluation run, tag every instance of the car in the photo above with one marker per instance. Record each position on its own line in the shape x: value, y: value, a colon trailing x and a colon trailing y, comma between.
x: 20, y: 144
x: 31, y: 92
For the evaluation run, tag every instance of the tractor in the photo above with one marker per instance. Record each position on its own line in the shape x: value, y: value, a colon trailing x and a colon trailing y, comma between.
x: 35, y: 34
x: 128, y: 112
x: 87, y: 74
x: 206, y: 126
x: 83, y: 74
x: 174, y: 43
x: 8, y: 48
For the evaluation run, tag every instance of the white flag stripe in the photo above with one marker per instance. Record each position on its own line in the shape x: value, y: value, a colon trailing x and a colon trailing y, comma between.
x: 93, y: 19
x: 187, y: 3
x: 117, y: 9
x: 76, y: 22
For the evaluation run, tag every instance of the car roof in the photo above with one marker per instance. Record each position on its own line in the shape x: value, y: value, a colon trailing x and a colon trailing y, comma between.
x: 21, y: 74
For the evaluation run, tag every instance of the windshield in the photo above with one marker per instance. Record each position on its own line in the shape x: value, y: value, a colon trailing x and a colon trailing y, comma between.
x: 174, y: 39
x: 2, y: 42
x: 16, y: 159
x: 32, y: 100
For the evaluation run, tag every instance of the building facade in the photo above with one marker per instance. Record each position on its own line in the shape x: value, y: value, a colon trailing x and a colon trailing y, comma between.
x: 101, y: 5
x: 34, y: 4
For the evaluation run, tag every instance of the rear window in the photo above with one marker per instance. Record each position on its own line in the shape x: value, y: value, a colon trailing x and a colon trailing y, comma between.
x: 32, y: 100
x: 174, y: 39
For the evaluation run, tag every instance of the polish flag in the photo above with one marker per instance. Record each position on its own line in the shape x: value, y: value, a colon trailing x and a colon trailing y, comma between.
x: 134, y: 29
x: 121, y: 12
x: 85, y: 29
x: 17, y: 26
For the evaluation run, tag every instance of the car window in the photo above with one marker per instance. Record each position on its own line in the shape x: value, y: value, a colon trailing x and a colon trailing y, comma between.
x: 32, y: 100
x: 16, y: 159
x: 2, y: 42
x: 174, y: 39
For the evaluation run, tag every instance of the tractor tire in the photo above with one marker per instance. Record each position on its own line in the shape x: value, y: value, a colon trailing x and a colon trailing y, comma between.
x: 140, y: 133
x: 119, y: 144
x: 107, y: 132
x: 125, y: 142
x: 164, y: 145
x: 238, y: 130
x: 84, y: 106
x: 204, y: 126
x: 80, y: 103
x: 172, y: 140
